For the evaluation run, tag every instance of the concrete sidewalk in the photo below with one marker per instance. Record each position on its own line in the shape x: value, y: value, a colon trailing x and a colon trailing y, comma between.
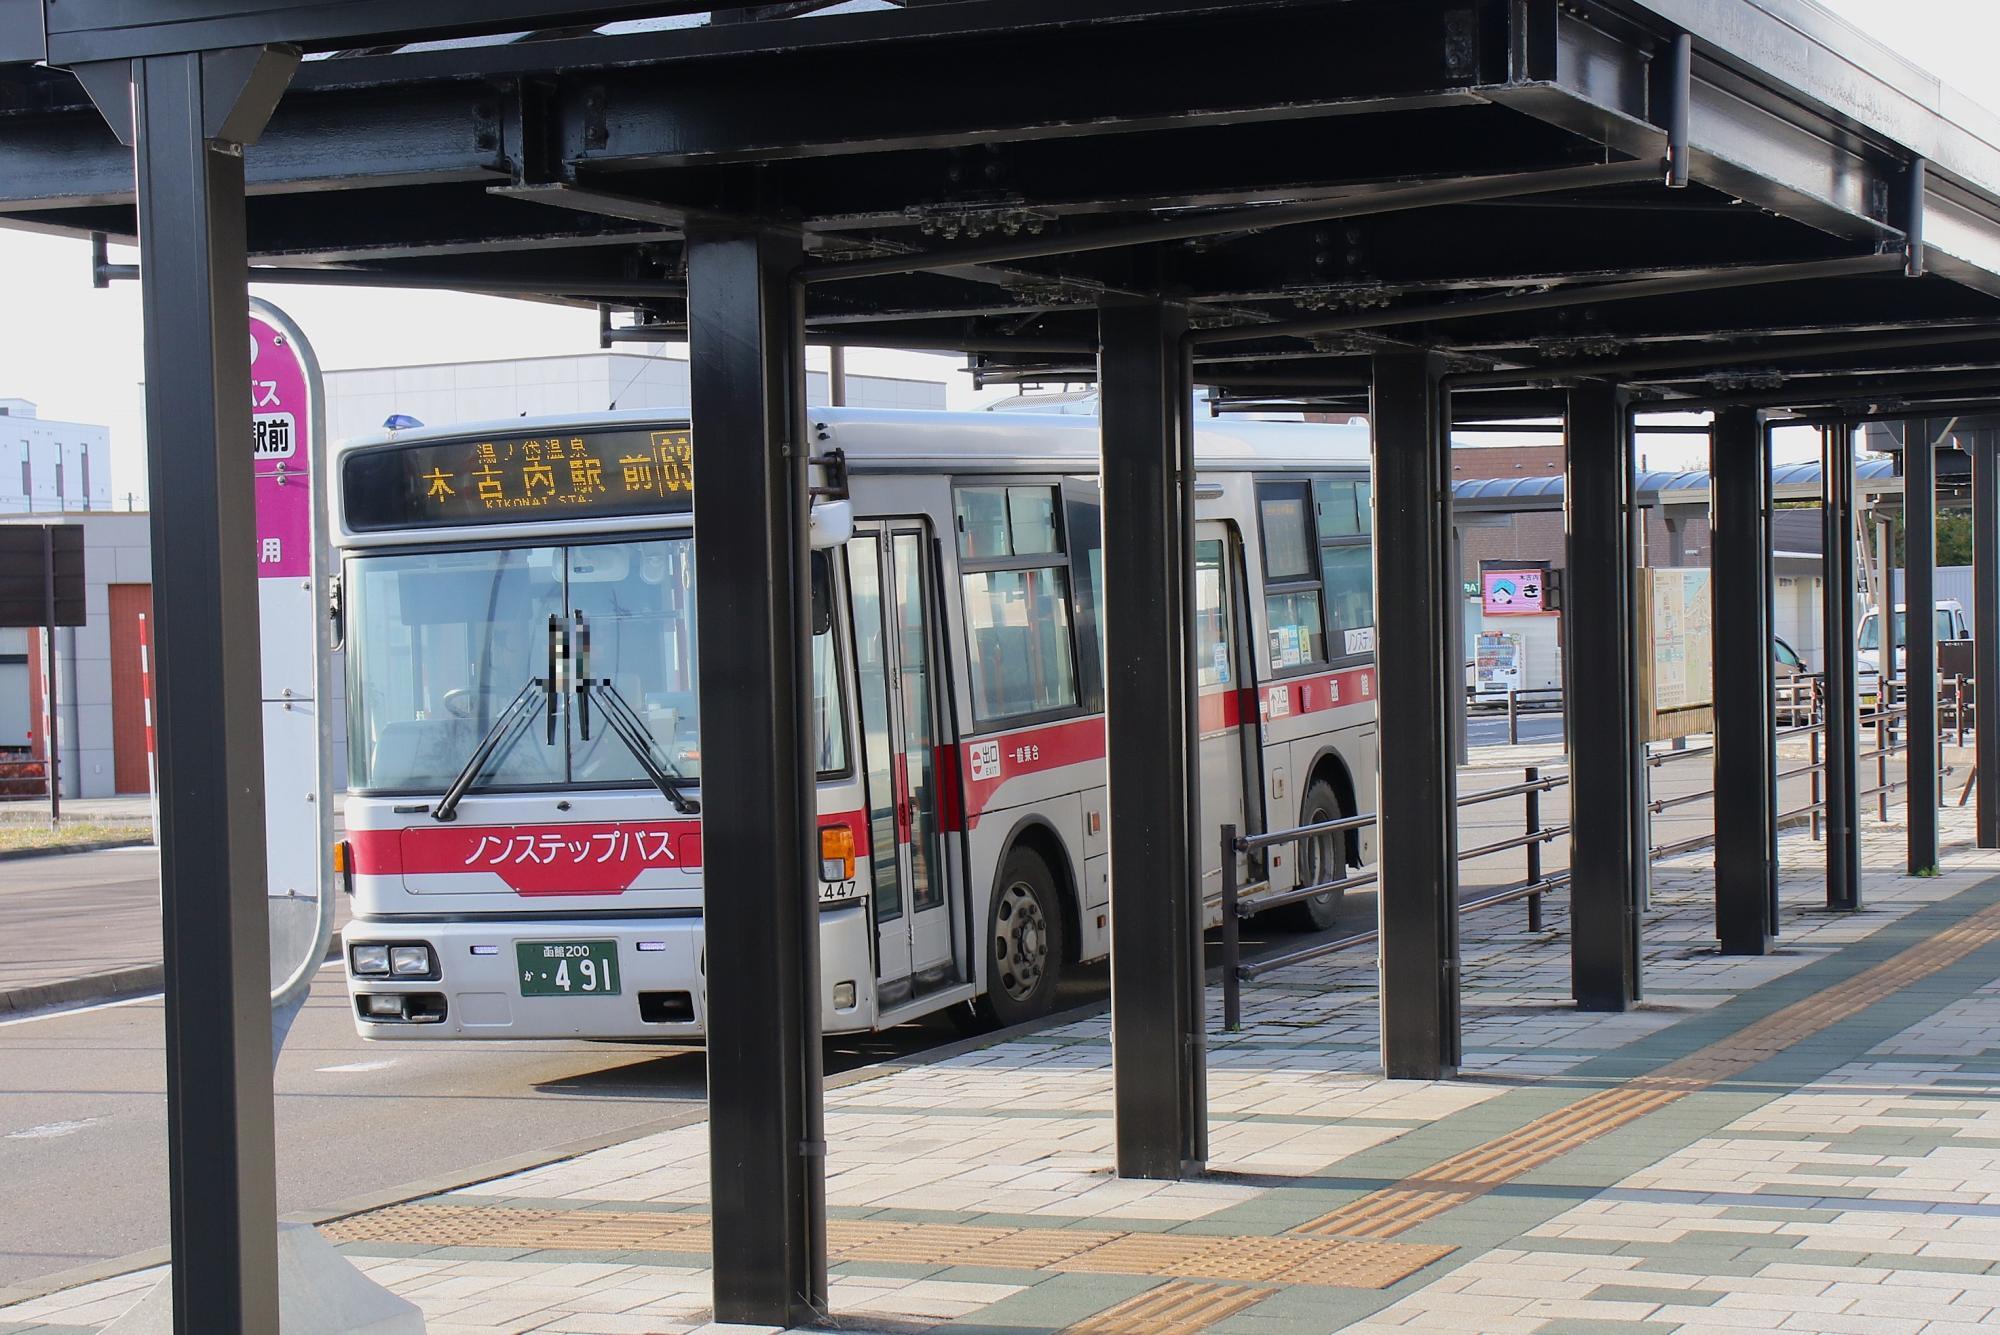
x: 78, y: 927
x: 1806, y: 1141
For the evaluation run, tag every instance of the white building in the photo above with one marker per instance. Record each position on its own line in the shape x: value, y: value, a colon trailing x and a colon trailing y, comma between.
x: 361, y: 401
x: 51, y: 466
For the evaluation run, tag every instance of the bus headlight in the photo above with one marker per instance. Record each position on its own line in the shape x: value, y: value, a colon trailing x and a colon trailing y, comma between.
x: 410, y: 961
x: 369, y: 961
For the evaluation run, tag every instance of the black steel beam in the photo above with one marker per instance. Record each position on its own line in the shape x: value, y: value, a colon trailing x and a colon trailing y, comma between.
x: 1843, y: 745
x: 315, y: 142
x: 1156, y: 974
x: 1745, y: 878
x: 82, y: 30
x: 1190, y: 226
x: 1607, y: 760
x: 1986, y: 629
x: 1743, y: 276
x: 1417, y: 674
x: 961, y: 78
x: 767, y: 1139
x: 1920, y: 653
x: 221, y: 1150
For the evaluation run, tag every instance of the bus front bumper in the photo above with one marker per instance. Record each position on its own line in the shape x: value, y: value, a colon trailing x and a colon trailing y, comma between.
x: 495, y: 979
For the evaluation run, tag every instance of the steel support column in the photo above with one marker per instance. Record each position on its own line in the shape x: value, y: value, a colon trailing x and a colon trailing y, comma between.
x: 1156, y: 976
x: 1744, y: 716
x: 767, y: 1140
x: 1986, y: 627
x: 1920, y: 658
x: 187, y: 118
x: 1601, y: 679
x: 1843, y: 847
x: 1418, y: 669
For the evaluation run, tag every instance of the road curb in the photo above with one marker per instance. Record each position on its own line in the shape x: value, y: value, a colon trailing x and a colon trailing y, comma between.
x: 96, y: 846
x: 110, y: 985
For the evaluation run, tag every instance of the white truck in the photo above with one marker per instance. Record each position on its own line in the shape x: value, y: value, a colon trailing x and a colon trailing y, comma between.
x: 1951, y: 625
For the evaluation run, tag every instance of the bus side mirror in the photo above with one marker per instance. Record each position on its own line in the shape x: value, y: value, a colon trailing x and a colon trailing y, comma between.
x: 832, y: 524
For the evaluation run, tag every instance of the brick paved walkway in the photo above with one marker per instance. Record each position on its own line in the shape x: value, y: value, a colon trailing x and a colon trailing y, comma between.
x: 1804, y: 1142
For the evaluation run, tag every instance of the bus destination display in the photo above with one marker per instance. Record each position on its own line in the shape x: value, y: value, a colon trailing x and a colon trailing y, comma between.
x: 513, y: 479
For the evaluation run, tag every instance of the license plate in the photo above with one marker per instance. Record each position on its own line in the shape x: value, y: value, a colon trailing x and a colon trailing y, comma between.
x: 568, y: 968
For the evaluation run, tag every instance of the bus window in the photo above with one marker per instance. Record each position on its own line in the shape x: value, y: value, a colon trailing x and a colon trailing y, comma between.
x: 1017, y: 602
x: 1212, y: 654
x: 1349, y: 571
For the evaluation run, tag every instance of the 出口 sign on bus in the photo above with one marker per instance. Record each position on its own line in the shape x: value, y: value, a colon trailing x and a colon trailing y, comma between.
x: 503, y: 479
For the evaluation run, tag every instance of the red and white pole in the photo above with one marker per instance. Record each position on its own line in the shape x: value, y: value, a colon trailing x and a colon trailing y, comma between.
x: 146, y: 698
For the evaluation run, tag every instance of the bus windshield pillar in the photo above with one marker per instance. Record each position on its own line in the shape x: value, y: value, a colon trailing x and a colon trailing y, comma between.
x: 1156, y: 924
x: 1920, y: 597
x: 1608, y: 837
x: 1745, y: 722
x: 1843, y: 743
x: 761, y: 924
x: 1419, y: 669
x: 187, y: 117
x: 1986, y: 625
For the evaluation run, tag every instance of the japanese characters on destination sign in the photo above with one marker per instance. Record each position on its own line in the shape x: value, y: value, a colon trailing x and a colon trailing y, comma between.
x: 498, y: 479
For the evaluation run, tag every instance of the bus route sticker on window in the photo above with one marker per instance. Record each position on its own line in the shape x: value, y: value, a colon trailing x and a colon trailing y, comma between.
x: 986, y: 760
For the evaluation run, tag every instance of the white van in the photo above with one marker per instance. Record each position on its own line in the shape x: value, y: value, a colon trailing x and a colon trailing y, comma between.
x: 1951, y: 625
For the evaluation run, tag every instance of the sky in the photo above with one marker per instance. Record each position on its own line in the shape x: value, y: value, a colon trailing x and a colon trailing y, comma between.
x: 75, y: 350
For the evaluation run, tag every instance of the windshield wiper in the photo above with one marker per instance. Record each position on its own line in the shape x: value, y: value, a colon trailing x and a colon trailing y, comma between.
x: 626, y: 723
x: 506, y: 730
x: 638, y: 739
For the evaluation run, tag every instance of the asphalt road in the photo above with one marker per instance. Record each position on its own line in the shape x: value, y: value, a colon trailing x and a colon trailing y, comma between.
x: 83, y: 1115
x: 1491, y: 729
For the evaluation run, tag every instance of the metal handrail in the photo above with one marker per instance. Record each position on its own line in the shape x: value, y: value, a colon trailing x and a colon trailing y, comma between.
x: 1243, y: 901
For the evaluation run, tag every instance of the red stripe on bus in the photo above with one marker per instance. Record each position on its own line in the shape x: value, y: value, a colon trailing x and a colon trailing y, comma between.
x: 595, y: 858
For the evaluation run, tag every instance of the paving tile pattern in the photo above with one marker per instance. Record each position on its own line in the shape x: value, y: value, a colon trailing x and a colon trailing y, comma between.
x: 1804, y: 1141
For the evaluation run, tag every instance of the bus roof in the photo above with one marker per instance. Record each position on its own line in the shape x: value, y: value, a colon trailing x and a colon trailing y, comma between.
x: 908, y: 439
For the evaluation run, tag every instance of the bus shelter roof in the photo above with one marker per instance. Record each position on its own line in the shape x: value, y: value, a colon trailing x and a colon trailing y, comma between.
x: 1746, y: 201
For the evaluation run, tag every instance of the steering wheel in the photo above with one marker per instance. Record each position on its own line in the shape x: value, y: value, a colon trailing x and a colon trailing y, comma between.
x: 459, y: 703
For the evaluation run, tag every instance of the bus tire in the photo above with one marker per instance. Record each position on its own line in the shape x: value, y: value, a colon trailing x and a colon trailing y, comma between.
x: 1025, y: 942
x: 1323, y: 858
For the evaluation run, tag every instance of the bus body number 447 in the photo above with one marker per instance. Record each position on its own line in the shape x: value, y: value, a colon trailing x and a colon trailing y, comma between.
x: 568, y: 968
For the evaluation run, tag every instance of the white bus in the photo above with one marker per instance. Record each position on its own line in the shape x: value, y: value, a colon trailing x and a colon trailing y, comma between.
x: 517, y: 605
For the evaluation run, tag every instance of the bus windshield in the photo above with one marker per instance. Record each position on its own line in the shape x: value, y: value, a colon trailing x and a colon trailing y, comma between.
x: 439, y: 644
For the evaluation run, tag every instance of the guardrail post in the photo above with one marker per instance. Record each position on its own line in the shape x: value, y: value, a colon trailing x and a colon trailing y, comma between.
x: 1232, y: 937
x: 1813, y: 737
x: 1885, y: 737
x: 1532, y: 810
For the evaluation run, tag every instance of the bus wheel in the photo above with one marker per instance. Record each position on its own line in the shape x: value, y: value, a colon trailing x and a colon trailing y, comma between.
x: 1024, y: 942
x: 1320, y: 858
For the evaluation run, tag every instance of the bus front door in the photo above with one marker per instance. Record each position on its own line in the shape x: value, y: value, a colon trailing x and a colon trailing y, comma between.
x: 895, y: 648
x: 1222, y: 691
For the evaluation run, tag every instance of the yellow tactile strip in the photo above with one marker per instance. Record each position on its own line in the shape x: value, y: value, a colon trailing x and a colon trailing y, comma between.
x: 1328, y: 1262
x: 1452, y: 1182
x: 1182, y: 1307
